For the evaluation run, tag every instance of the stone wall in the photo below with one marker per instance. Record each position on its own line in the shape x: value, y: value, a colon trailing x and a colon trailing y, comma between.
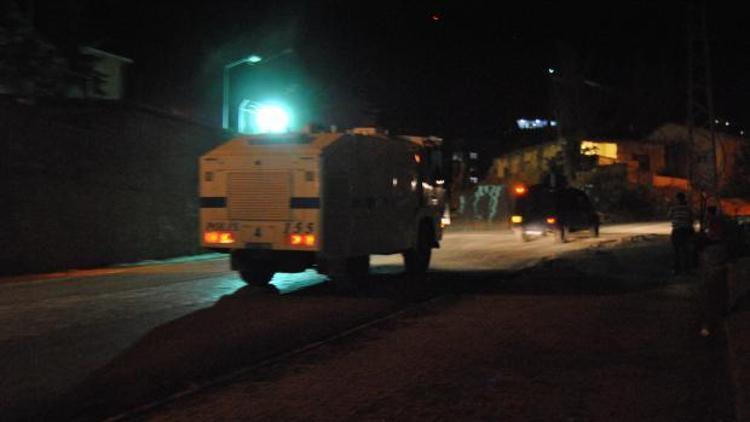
x: 93, y: 183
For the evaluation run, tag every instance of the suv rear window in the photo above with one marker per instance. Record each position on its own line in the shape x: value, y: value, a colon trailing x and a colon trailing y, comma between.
x: 537, y: 202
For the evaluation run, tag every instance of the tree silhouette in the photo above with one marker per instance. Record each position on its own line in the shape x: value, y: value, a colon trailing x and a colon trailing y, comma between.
x: 31, y: 66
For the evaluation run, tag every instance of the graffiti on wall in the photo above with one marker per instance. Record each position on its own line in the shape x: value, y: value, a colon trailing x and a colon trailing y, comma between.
x: 486, y: 202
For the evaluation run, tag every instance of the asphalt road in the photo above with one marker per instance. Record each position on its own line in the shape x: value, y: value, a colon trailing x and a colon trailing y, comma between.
x: 65, y: 330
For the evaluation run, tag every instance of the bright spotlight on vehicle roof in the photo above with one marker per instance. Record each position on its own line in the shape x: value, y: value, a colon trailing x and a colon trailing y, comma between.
x: 272, y: 119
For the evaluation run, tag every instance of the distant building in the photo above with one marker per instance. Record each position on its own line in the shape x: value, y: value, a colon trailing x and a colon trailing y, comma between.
x: 527, y: 165
x: 105, y: 79
x: 112, y: 70
x: 661, y: 160
x: 675, y: 153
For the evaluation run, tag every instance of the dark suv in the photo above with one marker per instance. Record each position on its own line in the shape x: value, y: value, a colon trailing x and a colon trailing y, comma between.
x: 540, y: 210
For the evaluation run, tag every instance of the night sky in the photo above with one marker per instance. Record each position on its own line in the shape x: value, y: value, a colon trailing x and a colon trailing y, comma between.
x: 453, y: 68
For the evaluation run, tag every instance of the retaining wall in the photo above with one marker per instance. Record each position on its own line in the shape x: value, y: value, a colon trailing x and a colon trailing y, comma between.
x: 93, y: 183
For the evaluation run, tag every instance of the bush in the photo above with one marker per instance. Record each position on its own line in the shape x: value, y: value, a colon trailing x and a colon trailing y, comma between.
x: 614, y: 197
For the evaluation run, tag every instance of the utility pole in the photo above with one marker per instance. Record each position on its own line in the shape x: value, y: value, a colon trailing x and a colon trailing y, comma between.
x: 702, y: 166
x: 556, y: 99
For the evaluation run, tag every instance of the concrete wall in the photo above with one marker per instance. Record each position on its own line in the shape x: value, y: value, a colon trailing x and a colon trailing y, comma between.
x: 93, y: 183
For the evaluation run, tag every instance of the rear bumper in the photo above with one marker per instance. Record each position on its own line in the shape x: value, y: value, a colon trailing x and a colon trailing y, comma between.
x: 272, y: 235
x: 535, y: 228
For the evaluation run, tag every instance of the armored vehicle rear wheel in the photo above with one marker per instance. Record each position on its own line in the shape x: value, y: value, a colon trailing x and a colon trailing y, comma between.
x: 417, y: 259
x: 257, y: 276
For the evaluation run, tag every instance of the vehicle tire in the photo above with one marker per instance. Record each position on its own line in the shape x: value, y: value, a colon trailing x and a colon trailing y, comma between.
x: 346, y: 274
x: 417, y: 259
x: 594, y: 230
x: 561, y: 234
x: 257, y: 276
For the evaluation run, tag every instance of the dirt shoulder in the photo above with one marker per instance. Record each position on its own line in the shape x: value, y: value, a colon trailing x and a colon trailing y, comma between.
x: 594, y: 336
x: 738, y: 330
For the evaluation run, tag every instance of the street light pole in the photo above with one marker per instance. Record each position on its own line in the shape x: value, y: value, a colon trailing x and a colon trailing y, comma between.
x: 556, y: 99
x: 225, y: 99
x: 225, y: 86
x: 251, y: 60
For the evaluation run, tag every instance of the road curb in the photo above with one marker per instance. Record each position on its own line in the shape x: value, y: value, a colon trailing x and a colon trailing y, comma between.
x: 741, y: 399
x: 741, y: 411
x: 735, y: 323
x: 106, y: 270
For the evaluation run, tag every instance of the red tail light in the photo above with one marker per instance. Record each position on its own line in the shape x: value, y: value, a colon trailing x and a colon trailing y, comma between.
x: 302, y: 239
x: 519, y: 189
x: 218, y: 237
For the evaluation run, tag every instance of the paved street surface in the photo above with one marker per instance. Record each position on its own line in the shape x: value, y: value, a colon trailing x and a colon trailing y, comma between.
x: 107, y: 340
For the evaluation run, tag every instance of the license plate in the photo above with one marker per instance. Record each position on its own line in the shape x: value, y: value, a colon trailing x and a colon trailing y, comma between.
x: 259, y: 234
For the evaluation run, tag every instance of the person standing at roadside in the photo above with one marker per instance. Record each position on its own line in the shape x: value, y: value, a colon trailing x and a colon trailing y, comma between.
x: 682, y: 232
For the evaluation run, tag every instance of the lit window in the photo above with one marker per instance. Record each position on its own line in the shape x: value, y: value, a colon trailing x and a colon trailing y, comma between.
x: 602, y: 149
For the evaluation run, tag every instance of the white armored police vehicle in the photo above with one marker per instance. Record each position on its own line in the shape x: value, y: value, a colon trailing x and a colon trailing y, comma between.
x: 288, y: 202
